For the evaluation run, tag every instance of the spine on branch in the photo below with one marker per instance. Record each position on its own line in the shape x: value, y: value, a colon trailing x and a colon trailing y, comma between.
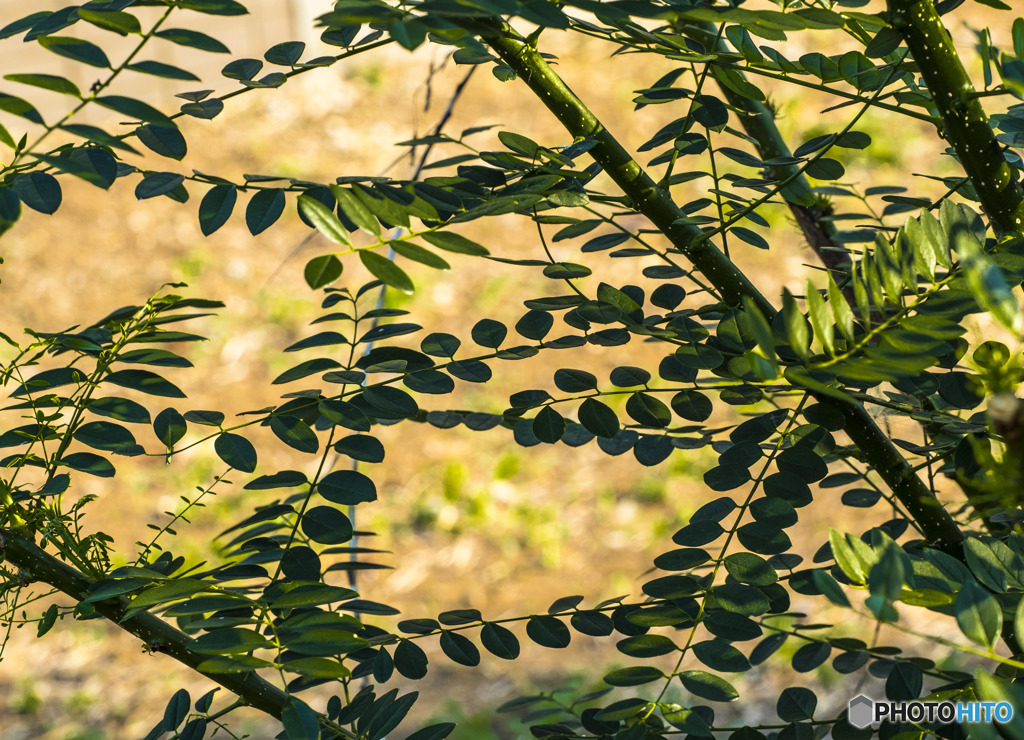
x: 964, y: 123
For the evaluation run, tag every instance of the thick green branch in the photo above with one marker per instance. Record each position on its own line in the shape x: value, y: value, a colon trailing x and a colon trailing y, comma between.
x: 758, y: 120
x: 657, y: 205
x: 645, y: 194
x: 964, y: 123
x: 39, y: 565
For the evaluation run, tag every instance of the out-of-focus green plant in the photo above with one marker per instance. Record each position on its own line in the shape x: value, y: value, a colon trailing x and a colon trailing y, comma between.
x: 881, y: 329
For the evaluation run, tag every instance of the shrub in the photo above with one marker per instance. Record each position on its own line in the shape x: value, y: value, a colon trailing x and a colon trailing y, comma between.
x: 879, y: 329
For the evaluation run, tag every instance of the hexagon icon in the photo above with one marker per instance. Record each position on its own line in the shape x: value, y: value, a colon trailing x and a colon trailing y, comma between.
x: 861, y: 711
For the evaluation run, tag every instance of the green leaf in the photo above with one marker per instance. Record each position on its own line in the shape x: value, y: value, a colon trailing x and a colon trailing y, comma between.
x: 47, y: 82
x: 721, y: 655
x: 830, y: 587
x: 460, y: 648
x: 214, y: 7
x: 887, y: 576
x: 157, y: 183
x: 757, y: 326
x: 48, y: 620
x: 386, y: 271
x: 855, y: 565
x: 904, y: 682
x: 10, y: 209
x: 236, y: 451
x: 216, y: 207
x: 317, y: 668
x: 994, y: 293
x: 204, y: 109
x: 264, y: 209
x: 748, y: 568
x: 243, y: 70
x: 646, y: 646
x: 76, y: 49
x: 740, y: 599
x: 300, y: 722
x: 326, y: 525
x: 92, y: 164
x: 419, y: 254
x: 322, y: 271
x: 361, y: 447
x: 999, y: 691
x: 410, y: 660
x: 134, y: 109
x: 726, y: 477
x: 692, y: 405
x: 169, y: 427
x: 886, y: 41
x: 6, y: 138
x: 165, y: 139
x: 648, y: 410
x: 548, y: 426
x: 295, y: 433
x: 575, y: 381
x: 193, y: 39
x: 286, y: 54
x: 355, y: 211
x: 433, y: 732
x: 24, y: 24
x: 158, y: 357
x: 455, y: 243
x: 500, y: 641
x: 40, y: 191
x: 177, y: 710
x: 985, y: 564
x: 548, y: 631
x: 324, y: 219
x: 104, y: 435
x: 593, y: 623
x: 86, y: 462
x: 234, y: 664
x: 978, y: 614
x: 708, y: 686
x: 282, y: 479
x: 820, y: 318
x: 144, y: 382
x: 598, y: 419
x: 489, y: 333
x: 117, y: 21
x: 802, y: 462
x: 633, y: 676
x: 120, y: 409
x: 840, y: 309
x: 19, y: 107
x: 305, y: 369
x: 347, y: 487
x: 796, y: 704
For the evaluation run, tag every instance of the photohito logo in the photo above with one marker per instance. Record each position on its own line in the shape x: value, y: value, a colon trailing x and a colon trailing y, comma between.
x: 864, y: 711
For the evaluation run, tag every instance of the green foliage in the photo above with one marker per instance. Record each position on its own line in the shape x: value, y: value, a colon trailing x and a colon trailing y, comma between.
x: 883, y: 328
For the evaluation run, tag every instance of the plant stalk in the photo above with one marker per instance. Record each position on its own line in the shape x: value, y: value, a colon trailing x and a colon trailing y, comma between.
x: 964, y: 123
x: 657, y: 205
x: 758, y: 120
x: 40, y: 565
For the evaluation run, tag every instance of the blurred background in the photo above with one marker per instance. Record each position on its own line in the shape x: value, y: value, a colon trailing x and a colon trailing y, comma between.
x: 468, y: 519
